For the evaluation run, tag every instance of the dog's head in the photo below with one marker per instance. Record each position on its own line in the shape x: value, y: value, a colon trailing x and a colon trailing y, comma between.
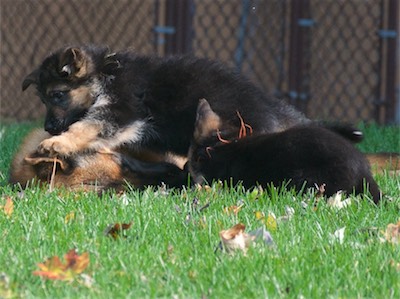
x: 206, y: 135
x: 64, y: 82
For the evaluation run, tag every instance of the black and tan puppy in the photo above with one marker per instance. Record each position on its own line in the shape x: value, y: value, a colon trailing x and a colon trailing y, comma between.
x: 301, y: 156
x: 98, y: 100
x: 97, y: 171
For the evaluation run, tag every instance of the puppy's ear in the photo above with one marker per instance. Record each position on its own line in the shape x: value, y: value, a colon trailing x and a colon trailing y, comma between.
x: 73, y: 63
x: 207, y: 121
x: 35, y: 160
x: 32, y: 78
x: 111, y: 64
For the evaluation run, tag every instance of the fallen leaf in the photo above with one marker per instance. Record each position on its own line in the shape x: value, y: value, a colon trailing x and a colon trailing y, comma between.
x: 69, y: 217
x: 392, y: 233
x: 335, y: 201
x: 235, y: 238
x: 289, y: 212
x: 5, y: 290
x: 54, y: 269
x: 8, y: 207
x: 232, y: 210
x: 86, y: 280
x: 259, y: 215
x: 338, y: 235
x: 269, y: 221
x: 303, y: 204
x: 115, y: 230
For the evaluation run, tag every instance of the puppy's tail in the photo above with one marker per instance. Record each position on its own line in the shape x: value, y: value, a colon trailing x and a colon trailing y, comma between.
x: 345, y: 130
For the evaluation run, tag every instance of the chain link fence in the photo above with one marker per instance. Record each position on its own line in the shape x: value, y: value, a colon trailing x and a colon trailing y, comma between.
x: 332, y: 59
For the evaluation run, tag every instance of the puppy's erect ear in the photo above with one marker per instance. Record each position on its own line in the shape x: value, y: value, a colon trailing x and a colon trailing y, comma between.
x: 207, y: 121
x: 73, y: 63
x: 32, y: 78
x: 110, y: 64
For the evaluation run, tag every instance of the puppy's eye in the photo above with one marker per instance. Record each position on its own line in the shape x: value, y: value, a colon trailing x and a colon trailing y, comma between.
x: 57, y: 94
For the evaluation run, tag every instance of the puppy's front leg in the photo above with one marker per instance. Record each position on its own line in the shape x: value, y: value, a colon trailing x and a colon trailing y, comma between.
x: 78, y: 138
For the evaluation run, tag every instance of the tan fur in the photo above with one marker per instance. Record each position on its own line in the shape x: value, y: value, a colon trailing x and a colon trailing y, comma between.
x: 78, y: 138
x: 88, y: 171
x: 22, y: 172
x: 150, y: 156
x: 81, y: 97
x: 206, y: 127
x: 93, y: 172
x: 381, y: 162
x: 81, y: 61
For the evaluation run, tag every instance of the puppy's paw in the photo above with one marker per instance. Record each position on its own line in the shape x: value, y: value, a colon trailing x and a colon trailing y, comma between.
x: 57, y: 146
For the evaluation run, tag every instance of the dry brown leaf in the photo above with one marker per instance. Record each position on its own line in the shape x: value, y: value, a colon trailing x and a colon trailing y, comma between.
x: 54, y: 269
x: 115, y: 230
x: 233, y: 209
x: 235, y: 238
x: 392, y: 233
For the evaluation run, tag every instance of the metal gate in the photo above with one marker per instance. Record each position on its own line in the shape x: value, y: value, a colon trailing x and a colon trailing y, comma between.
x: 333, y: 59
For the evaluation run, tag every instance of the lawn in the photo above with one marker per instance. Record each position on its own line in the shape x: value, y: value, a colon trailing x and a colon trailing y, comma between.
x: 171, y: 249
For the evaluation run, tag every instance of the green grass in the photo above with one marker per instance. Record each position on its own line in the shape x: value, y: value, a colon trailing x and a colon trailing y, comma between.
x: 170, y: 250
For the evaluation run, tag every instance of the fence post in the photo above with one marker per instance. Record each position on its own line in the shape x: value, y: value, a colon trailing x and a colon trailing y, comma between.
x: 179, y: 18
x: 300, y: 53
x: 392, y: 61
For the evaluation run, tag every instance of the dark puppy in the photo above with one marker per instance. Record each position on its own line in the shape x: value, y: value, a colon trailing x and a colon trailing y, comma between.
x: 97, y: 171
x: 98, y: 100
x: 301, y: 156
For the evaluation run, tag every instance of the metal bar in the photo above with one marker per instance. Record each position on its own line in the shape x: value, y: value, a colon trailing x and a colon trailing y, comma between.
x: 179, y: 15
x: 239, y: 53
x: 156, y: 22
x: 380, y: 69
x: 299, y: 53
x: 392, y: 63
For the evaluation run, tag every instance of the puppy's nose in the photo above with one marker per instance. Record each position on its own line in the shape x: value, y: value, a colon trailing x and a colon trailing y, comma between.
x: 52, y: 129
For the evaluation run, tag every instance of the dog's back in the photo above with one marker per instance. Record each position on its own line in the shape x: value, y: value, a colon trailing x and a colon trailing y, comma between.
x: 301, y: 156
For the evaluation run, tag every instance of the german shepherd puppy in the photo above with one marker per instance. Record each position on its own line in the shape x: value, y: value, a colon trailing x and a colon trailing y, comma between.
x: 97, y: 171
x: 96, y: 100
x: 302, y: 156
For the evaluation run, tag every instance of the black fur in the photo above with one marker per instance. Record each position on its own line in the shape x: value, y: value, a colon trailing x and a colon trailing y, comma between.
x: 300, y: 155
x: 141, y: 173
x: 162, y: 92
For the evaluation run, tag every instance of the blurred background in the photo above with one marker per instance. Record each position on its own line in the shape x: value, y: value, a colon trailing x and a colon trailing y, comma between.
x: 333, y: 59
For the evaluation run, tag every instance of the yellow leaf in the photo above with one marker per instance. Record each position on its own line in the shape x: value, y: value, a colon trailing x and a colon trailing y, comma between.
x: 54, y: 269
x: 271, y: 223
x: 259, y: 215
x: 8, y: 207
x: 69, y: 217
